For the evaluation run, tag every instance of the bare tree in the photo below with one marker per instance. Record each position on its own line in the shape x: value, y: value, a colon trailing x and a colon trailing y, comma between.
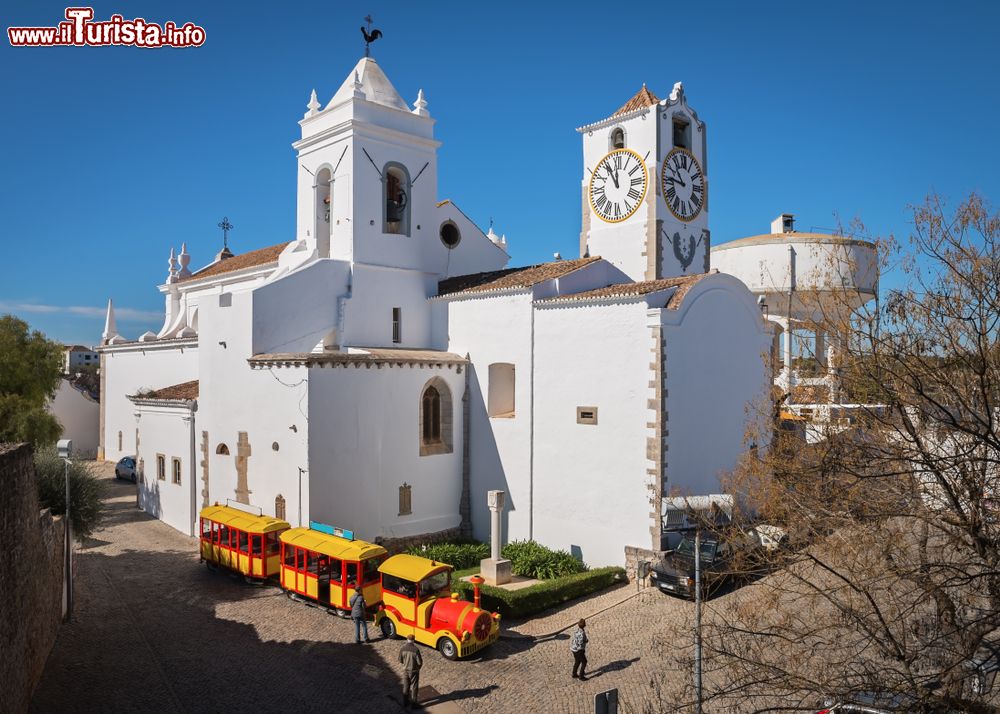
x: 891, y: 583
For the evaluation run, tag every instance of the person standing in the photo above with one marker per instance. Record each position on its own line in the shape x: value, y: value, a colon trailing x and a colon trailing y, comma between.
x: 412, y: 661
x: 578, y: 646
x: 359, y: 615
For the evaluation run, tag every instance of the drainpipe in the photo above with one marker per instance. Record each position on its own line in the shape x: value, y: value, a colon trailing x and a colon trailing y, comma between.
x: 193, y: 469
x: 531, y: 428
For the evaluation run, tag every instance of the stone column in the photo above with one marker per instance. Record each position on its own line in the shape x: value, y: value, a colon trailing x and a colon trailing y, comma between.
x: 495, y: 569
x: 242, y: 454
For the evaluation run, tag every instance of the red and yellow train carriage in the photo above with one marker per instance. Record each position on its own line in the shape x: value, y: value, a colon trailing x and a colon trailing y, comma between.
x: 241, y: 541
x: 325, y: 564
x: 417, y: 600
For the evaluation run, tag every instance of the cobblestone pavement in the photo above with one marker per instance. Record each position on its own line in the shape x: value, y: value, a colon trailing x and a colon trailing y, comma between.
x: 155, y: 630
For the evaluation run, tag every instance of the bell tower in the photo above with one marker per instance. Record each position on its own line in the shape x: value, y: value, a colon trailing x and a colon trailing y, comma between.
x: 645, y: 188
x: 367, y: 172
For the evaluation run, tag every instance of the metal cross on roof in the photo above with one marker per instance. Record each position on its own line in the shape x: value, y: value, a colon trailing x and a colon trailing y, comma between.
x: 226, y: 226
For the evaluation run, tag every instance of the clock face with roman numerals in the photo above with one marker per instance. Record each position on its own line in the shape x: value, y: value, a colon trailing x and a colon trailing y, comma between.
x: 618, y: 185
x: 683, y: 184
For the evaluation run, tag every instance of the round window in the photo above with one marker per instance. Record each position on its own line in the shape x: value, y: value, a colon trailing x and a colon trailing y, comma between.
x: 450, y: 235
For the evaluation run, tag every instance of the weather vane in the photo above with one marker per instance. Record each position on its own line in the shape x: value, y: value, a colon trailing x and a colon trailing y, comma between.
x: 370, y: 35
x: 226, y: 226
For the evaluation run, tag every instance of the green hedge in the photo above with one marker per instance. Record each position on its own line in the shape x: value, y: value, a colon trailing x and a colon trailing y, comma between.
x: 534, y: 560
x: 460, y: 554
x: 544, y: 595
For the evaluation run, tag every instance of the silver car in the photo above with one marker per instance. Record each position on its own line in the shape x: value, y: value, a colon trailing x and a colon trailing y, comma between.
x: 125, y: 468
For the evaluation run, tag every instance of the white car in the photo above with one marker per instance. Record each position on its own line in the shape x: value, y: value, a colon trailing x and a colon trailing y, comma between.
x: 125, y: 468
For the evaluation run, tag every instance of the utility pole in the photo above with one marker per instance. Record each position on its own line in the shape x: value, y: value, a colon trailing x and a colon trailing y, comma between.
x: 697, y: 617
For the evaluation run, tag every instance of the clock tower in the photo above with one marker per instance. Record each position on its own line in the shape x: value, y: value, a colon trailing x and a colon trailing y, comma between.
x: 645, y: 188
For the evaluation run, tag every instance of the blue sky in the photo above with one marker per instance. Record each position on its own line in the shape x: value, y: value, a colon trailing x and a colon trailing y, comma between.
x: 113, y: 155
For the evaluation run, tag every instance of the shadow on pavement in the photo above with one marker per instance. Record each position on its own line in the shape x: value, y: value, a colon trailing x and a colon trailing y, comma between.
x: 616, y: 666
x: 153, y: 630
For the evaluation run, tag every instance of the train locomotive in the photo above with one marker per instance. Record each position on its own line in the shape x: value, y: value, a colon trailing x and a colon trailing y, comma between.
x: 322, y: 565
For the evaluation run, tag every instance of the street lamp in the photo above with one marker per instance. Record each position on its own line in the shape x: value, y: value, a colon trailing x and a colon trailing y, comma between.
x: 65, y: 447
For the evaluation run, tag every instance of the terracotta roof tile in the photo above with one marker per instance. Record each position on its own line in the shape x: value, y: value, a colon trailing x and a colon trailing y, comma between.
x: 642, y: 98
x: 511, y: 278
x: 369, y: 355
x: 683, y: 284
x: 185, y: 391
x: 261, y: 256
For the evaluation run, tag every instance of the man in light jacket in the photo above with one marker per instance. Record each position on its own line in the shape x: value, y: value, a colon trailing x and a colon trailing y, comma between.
x: 412, y: 661
x: 359, y: 615
x: 578, y: 646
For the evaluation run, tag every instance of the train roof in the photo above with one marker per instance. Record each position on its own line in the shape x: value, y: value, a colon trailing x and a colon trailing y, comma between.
x: 235, y: 518
x: 334, y: 546
x: 412, y: 567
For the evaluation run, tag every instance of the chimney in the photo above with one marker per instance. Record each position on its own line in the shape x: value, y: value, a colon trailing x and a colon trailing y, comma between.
x: 785, y: 223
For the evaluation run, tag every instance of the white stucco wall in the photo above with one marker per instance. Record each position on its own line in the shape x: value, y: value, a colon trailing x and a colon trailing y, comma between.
x: 496, y: 329
x: 590, y: 480
x: 79, y: 416
x: 270, y: 405
x: 167, y: 430
x: 128, y: 368
x: 364, y: 443
x: 715, y: 381
x: 375, y: 291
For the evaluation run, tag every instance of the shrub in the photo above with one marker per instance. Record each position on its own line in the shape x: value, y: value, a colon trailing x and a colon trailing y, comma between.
x: 535, y: 598
x: 533, y: 560
x: 460, y: 554
x: 86, y: 491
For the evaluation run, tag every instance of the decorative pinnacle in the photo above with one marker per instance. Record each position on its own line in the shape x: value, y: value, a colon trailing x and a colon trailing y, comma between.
x: 359, y: 90
x: 313, y: 105
x: 184, y: 260
x: 420, y: 106
x: 678, y: 91
x: 172, y: 267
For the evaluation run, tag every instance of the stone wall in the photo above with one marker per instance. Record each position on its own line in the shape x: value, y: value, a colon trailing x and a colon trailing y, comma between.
x: 398, y: 545
x: 634, y: 556
x: 31, y: 577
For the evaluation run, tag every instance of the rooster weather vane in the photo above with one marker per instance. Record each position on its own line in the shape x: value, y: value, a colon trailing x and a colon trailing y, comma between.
x: 370, y: 35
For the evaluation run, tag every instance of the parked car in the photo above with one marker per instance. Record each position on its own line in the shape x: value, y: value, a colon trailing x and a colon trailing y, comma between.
x: 724, y: 555
x: 870, y: 703
x: 125, y: 468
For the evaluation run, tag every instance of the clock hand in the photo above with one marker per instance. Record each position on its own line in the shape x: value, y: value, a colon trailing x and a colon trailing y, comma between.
x: 613, y: 176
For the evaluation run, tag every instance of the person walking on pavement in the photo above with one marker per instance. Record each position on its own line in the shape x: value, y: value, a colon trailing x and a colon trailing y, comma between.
x: 412, y: 661
x: 578, y: 646
x: 359, y: 615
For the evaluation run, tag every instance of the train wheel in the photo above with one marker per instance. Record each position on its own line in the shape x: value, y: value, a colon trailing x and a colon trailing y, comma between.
x: 447, y: 648
x: 388, y: 628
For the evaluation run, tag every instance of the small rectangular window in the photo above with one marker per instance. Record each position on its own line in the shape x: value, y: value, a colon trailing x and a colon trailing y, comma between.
x: 397, y: 325
x: 243, y: 542
x: 586, y: 415
x: 336, y: 568
x: 273, y: 546
x: 500, y: 396
x: 226, y: 300
x: 161, y: 467
x: 289, y: 558
x: 176, y: 463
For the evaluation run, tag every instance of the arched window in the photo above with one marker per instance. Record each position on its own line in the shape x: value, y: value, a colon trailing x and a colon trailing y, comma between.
x: 323, y: 201
x: 279, y: 507
x: 617, y: 140
x: 396, y: 199
x: 435, y: 418
x: 222, y: 449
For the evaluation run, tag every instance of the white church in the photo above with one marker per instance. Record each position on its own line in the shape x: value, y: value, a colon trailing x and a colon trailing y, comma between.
x: 385, y: 367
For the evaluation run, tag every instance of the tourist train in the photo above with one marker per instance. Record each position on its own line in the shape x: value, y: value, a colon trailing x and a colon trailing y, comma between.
x: 322, y: 564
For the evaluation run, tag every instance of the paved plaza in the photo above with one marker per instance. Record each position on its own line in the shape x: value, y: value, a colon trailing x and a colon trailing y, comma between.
x: 155, y: 630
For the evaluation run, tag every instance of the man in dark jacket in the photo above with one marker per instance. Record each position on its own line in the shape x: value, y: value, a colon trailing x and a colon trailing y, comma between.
x: 412, y: 661
x: 359, y: 615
